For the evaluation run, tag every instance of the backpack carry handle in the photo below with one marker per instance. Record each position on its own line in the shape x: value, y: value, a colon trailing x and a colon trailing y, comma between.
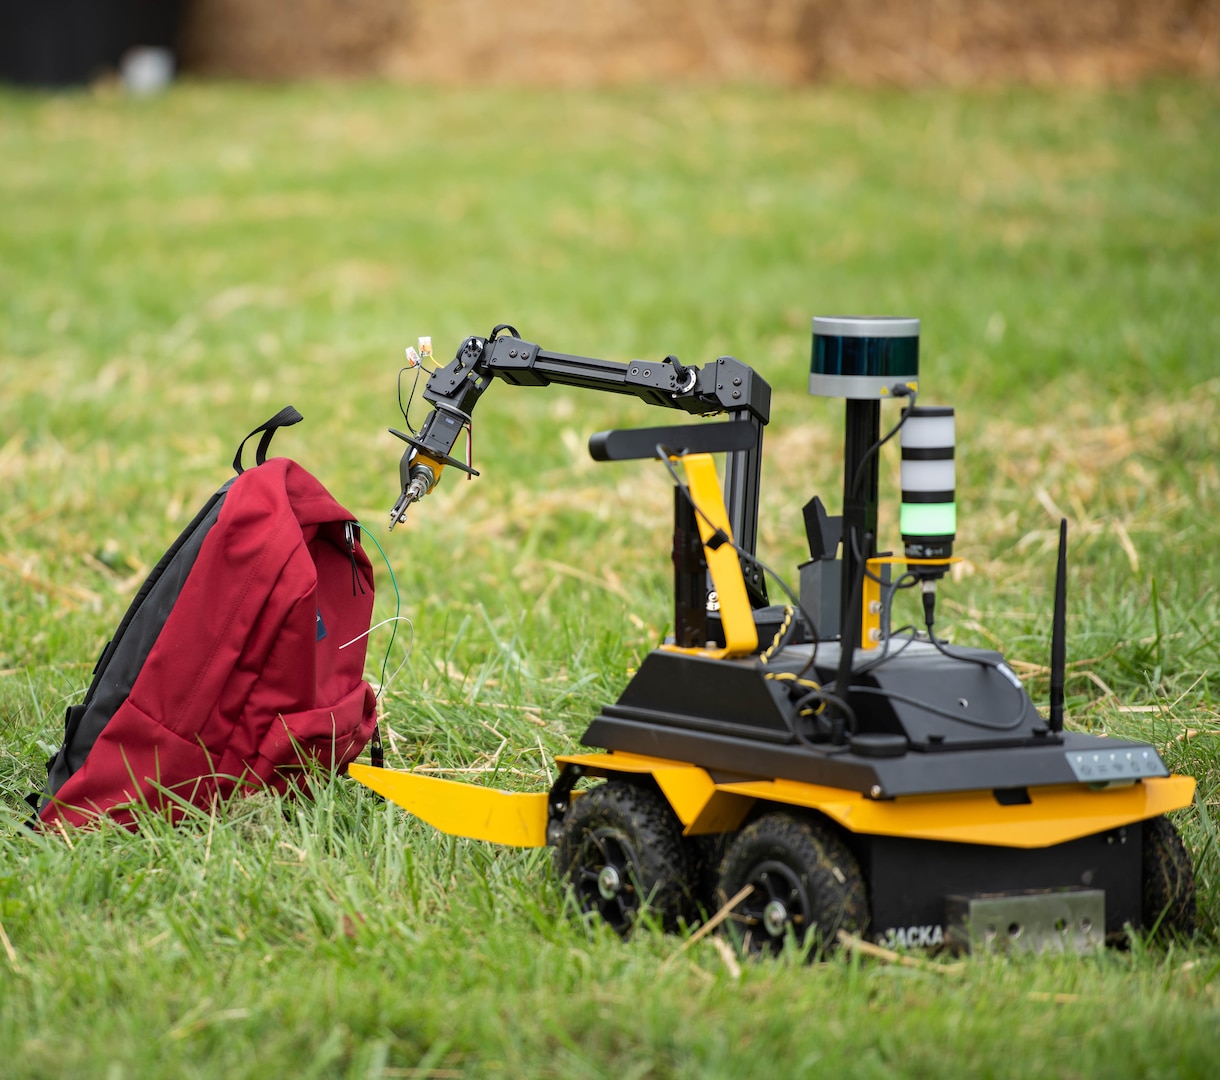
x: 286, y: 417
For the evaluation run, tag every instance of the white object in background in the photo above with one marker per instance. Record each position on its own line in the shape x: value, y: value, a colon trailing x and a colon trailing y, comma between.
x: 147, y: 70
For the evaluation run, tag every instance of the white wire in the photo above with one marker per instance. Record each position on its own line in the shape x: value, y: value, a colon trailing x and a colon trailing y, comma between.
x: 405, y: 657
x: 392, y: 618
x: 406, y: 654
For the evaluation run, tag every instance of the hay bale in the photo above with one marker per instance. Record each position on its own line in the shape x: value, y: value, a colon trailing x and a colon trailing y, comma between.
x: 600, y: 42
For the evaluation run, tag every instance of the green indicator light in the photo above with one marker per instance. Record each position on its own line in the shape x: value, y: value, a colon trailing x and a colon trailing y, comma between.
x: 928, y: 519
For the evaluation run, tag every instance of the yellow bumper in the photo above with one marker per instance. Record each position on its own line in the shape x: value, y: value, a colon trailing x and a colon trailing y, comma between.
x: 503, y: 817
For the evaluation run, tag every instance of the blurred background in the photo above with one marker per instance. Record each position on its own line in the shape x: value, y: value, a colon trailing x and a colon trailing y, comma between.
x: 600, y: 42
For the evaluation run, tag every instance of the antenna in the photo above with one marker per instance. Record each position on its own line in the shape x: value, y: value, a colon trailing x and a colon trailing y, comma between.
x: 1059, y: 631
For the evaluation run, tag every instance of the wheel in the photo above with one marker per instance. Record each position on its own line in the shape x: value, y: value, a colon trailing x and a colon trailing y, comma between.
x: 805, y: 883
x: 620, y: 851
x: 1168, y: 881
x: 703, y: 857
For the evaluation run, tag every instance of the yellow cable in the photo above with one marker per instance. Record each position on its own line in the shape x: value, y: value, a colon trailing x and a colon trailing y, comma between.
x: 783, y: 629
x: 787, y: 676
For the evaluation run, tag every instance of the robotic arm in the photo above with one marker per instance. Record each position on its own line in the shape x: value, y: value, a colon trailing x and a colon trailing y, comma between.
x: 725, y: 387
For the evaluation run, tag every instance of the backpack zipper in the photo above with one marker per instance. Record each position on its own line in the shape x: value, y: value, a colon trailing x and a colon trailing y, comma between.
x: 349, y: 538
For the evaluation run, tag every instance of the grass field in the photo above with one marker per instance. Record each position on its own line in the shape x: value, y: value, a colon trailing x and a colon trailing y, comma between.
x: 173, y: 271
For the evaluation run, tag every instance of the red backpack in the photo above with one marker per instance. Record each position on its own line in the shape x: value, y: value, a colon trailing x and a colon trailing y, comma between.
x: 239, y: 664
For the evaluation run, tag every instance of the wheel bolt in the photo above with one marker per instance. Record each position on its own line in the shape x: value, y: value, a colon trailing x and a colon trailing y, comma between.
x: 609, y: 884
x: 775, y: 918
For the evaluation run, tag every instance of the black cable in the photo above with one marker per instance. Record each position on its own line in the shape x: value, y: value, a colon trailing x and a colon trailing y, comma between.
x: 914, y: 580
x: 855, y: 547
x: 418, y: 366
x: 685, y: 376
x: 823, y: 748
x: 1009, y: 725
x: 927, y: 706
x: 982, y: 661
x: 886, y: 656
x: 852, y: 625
x: 405, y: 409
x: 898, y: 390
x: 827, y: 697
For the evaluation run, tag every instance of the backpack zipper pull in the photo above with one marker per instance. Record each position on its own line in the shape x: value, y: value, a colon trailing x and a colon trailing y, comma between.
x: 349, y: 538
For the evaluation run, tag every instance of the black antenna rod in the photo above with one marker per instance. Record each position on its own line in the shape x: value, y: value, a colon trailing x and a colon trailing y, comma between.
x: 1059, y: 632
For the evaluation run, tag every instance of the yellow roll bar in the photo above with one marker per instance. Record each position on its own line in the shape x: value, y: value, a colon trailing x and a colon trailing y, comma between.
x: 736, y: 615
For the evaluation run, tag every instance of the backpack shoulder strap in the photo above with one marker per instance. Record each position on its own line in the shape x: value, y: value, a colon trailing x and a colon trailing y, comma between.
x: 286, y: 417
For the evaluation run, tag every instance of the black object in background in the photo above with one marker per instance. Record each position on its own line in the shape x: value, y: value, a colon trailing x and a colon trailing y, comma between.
x: 52, y: 43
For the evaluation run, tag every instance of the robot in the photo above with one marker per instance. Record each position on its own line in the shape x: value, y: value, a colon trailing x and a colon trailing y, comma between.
x: 800, y: 768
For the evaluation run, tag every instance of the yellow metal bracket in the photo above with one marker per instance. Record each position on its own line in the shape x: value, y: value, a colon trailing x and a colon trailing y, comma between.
x: 870, y: 615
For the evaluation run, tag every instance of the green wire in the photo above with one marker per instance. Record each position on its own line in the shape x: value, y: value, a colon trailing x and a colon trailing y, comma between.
x: 385, y: 663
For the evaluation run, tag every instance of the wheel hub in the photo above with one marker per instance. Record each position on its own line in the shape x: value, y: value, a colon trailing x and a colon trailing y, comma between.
x: 775, y: 918
x: 609, y: 883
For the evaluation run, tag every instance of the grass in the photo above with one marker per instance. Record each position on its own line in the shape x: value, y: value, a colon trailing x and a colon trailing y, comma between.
x: 173, y: 271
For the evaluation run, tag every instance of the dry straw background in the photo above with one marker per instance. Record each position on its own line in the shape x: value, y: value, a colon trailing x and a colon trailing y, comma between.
x: 612, y: 42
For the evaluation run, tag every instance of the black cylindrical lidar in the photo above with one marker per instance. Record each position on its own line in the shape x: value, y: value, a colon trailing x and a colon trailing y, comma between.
x: 863, y: 356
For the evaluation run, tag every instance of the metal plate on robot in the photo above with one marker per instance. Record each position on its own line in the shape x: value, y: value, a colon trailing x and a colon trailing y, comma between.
x: 1108, y: 765
x: 1062, y: 920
